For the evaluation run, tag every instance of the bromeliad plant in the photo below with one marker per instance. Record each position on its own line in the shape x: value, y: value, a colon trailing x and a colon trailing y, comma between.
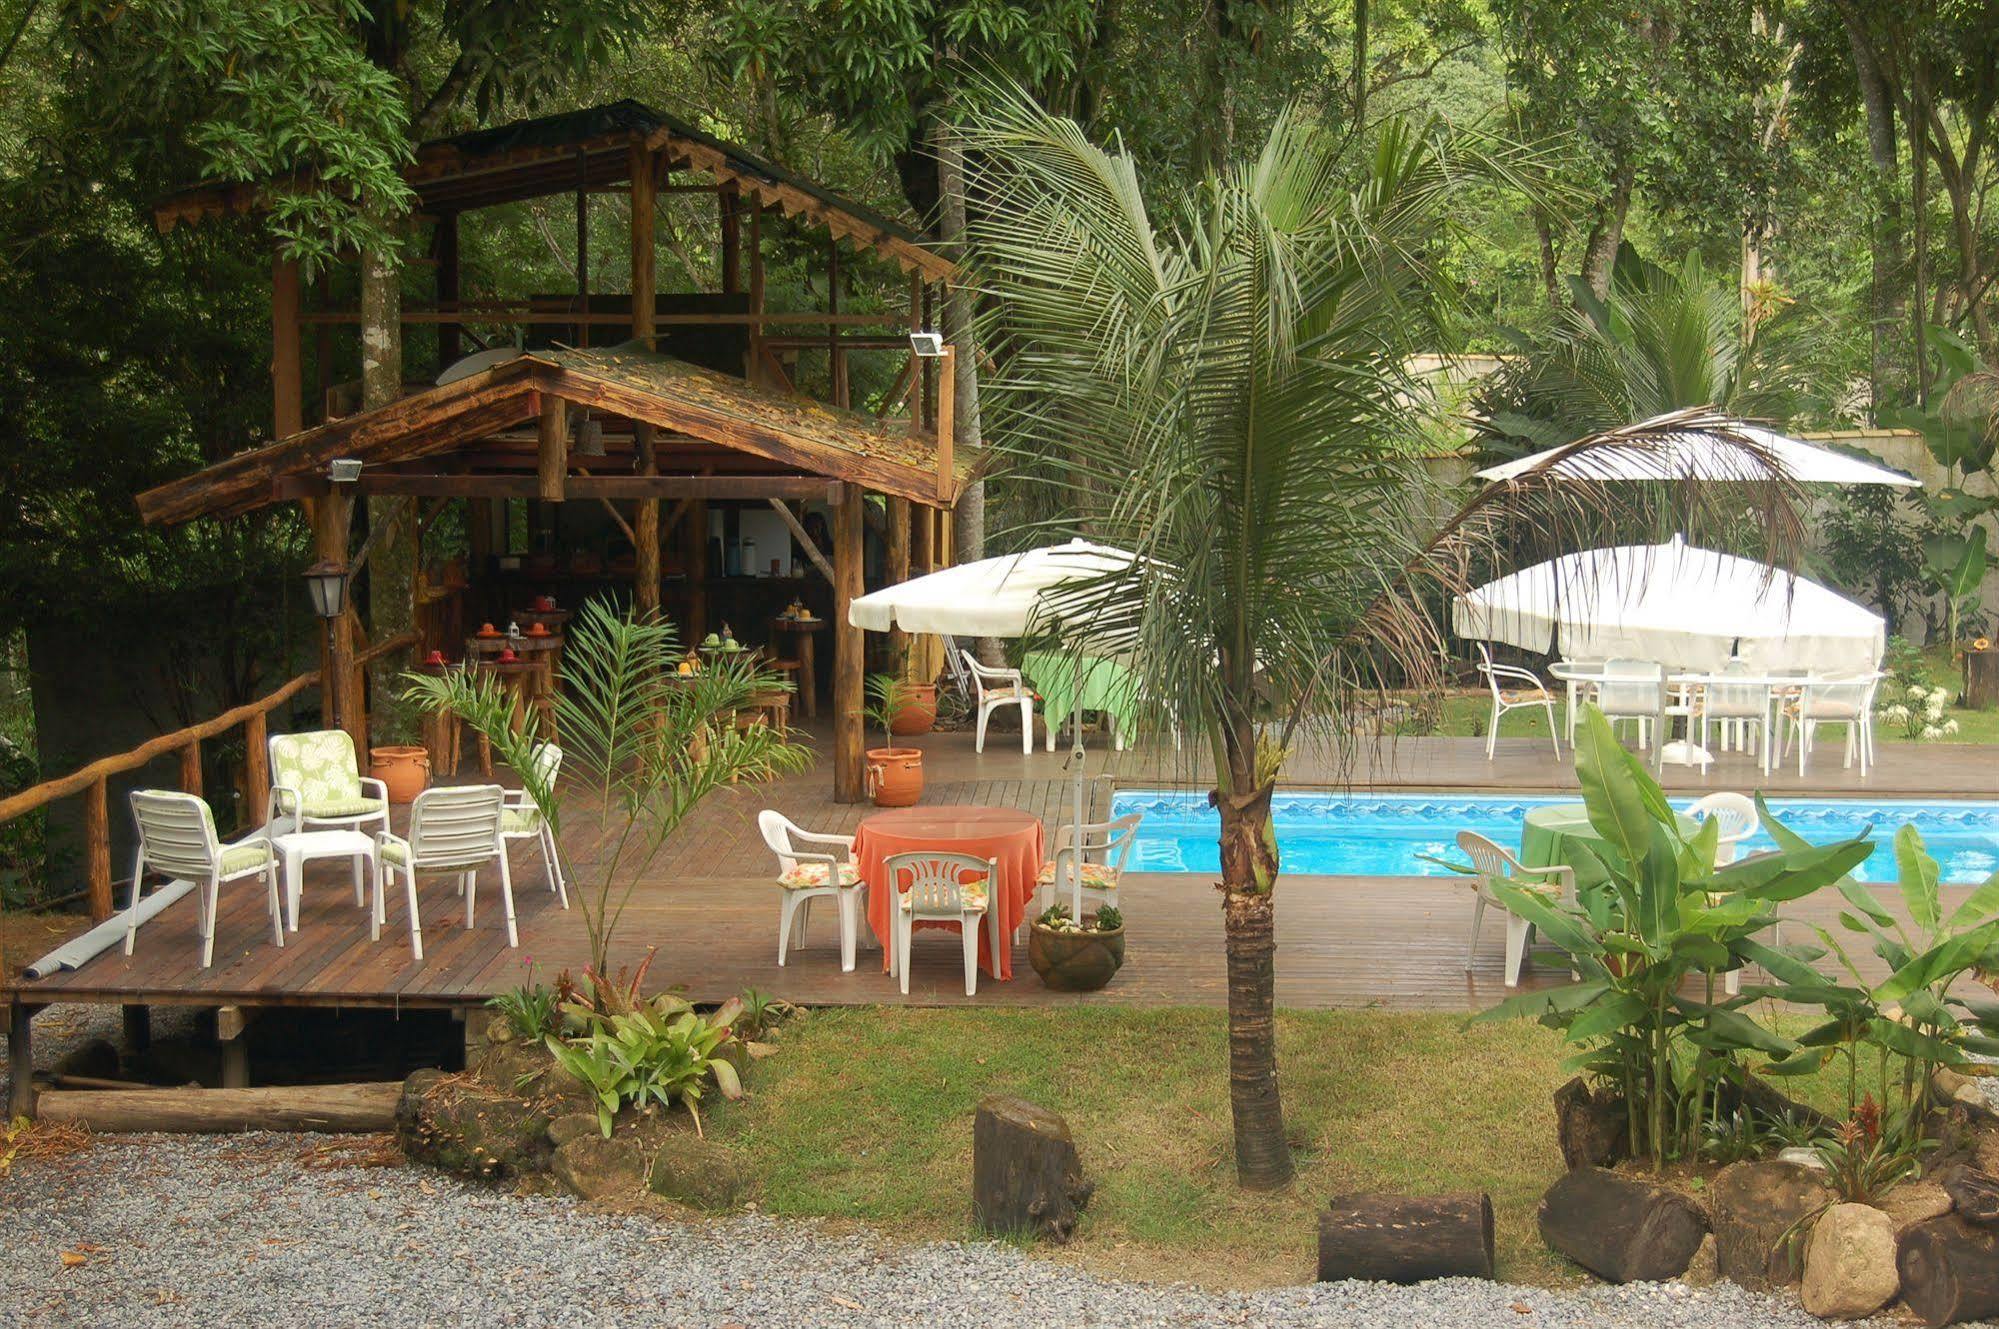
x: 655, y: 1052
x: 642, y: 746
x: 1664, y: 920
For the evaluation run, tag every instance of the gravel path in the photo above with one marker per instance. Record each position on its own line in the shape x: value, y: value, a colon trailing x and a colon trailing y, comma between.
x: 300, y: 1230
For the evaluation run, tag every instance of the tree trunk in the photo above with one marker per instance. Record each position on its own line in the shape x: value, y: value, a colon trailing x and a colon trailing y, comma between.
x: 1249, y: 873
x: 1950, y: 1271
x: 1607, y: 232
x: 392, y: 557
x: 323, y: 1107
x: 1884, y: 239
x: 1621, y: 1230
x: 959, y: 330
x: 1406, y: 1239
x: 1026, y: 1176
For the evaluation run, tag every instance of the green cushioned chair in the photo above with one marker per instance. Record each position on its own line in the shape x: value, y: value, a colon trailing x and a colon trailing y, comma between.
x: 316, y: 781
x: 177, y: 837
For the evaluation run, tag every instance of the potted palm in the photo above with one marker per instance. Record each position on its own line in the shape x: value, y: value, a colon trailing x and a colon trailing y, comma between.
x: 894, y: 775
x: 1074, y: 956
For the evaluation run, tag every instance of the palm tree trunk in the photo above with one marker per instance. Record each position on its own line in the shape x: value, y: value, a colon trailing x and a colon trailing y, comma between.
x: 1249, y: 872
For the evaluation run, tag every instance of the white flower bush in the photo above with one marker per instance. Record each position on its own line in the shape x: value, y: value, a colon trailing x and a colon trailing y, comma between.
x: 1918, y: 706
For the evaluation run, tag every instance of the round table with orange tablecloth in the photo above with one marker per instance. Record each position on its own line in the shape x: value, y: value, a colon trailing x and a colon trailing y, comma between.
x: 1008, y: 835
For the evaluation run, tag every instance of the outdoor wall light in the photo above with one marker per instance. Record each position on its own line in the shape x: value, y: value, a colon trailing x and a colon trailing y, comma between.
x: 928, y: 345
x: 344, y: 470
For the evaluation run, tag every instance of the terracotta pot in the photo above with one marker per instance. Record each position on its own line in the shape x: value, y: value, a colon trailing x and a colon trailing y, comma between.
x: 406, y: 771
x: 895, y: 776
x: 918, y: 712
x: 1075, y: 961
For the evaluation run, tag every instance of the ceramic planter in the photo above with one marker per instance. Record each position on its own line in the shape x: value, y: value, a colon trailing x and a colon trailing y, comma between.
x: 895, y: 776
x: 405, y: 770
x: 918, y: 712
x: 1075, y: 961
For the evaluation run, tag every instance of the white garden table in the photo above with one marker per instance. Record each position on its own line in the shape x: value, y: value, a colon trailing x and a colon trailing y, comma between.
x: 297, y: 848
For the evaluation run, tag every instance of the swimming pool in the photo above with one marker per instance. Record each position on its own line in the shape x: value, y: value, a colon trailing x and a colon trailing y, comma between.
x: 1388, y: 835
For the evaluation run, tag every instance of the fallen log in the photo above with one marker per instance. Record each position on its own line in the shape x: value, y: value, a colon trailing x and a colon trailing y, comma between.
x: 1621, y: 1230
x: 1950, y: 1271
x: 1975, y: 1194
x: 315, y: 1107
x: 1406, y: 1239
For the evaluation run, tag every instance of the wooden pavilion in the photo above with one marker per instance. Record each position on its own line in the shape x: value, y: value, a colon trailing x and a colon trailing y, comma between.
x: 618, y: 401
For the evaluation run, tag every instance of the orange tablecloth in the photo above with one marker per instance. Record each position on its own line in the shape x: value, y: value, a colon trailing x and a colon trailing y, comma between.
x: 1009, y: 835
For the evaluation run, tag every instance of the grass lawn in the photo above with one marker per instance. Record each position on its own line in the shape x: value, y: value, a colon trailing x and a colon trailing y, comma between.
x: 866, y: 1114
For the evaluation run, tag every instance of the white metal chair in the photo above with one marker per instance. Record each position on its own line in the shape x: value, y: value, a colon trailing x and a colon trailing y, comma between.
x: 521, y: 819
x: 177, y: 837
x: 1736, y: 709
x: 453, y: 829
x: 993, y: 689
x: 1513, y: 689
x: 316, y: 781
x: 1100, y: 861
x: 1847, y: 702
x: 805, y: 875
x: 1632, y: 690
x: 1737, y: 821
x: 942, y: 888
x: 1492, y: 864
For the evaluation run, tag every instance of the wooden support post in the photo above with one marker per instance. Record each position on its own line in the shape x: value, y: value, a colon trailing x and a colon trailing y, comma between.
x: 645, y: 525
x: 922, y: 542
x: 230, y: 1023
x: 552, y: 457
x: 287, y: 383
x: 97, y: 851
x: 848, y: 664
x: 898, y: 560
x: 582, y: 252
x: 756, y: 247
x: 449, y: 343
x: 322, y: 349
x: 256, y: 767
x: 836, y: 357
x: 947, y: 424
x: 332, y: 513
x: 697, y: 574
x: 21, y: 1060
x: 729, y: 199
x: 190, y: 768
x: 138, y: 1022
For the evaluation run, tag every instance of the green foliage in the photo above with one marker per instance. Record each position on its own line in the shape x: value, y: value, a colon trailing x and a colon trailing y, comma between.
x: 1909, y: 697
x: 656, y: 1053
x: 1057, y: 918
x: 1866, y: 1155
x: 1666, y: 920
x: 641, y: 746
x: 887, y: 695
x: 761, y: 1014
x: 1108, y: 918
x: 532, y: 1010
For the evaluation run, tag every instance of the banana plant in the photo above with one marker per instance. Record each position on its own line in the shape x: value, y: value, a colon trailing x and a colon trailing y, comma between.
x: 1665, y: 920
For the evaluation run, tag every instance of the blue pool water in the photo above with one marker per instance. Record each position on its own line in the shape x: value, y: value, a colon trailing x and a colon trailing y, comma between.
x: 1389, y: 835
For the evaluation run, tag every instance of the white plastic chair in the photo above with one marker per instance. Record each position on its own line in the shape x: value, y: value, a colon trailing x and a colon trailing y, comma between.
x: 177, y: 837
x: 942, y: 888
x: 453, y: 829
x: 1848, y: 702
x: 316, y: 781
x: 1101, y: 860
x: 1736, y: 815
x: 1735, y: 709
x: 805, y: 875
x: 1632, y: 690
x: 1579, y: 689
x: 993, y: 689
x: 1492, y: 864
x: 1526, y: 690
x: 521, y: 819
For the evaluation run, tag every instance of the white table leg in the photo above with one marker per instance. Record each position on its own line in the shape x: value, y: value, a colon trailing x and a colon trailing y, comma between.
x: 848, y: 900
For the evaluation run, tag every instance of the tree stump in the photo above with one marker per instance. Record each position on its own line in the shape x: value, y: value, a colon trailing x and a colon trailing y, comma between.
x: 1950, y: 1271
x: 1026, y: 1176
x: 1975, y: 1194
x: 1406, y: 1239
x: 1621, y: 1230
x: 1591, y: 1128
x: 1981, y: 679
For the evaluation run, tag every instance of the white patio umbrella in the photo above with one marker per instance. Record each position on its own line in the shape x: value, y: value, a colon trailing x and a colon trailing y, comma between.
x: 1701, y: 453
x: 1008, y: 596
x: 1685, y: 607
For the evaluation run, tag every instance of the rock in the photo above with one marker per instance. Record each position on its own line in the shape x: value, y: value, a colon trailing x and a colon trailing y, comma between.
x: 1752, y: 1206
x: 569, y: 1125
x: 596, y: 1168
x: 1914, y: 1202
x: 1702, y: 1270
x: 463, y: 1125
x: 1803, y: 1156
x: 1591, y: 1127
x: 696, y: 1171
x: 500, y: 1029
x: 1974, y: 1194
x: 1850, y: 1263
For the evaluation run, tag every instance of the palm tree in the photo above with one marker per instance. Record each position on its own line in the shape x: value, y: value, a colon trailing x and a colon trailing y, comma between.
x: 1664, y: 339
x: 1225, y: 395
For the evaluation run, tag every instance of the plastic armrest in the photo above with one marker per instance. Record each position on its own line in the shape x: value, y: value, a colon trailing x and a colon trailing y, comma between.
x: 381, y: 789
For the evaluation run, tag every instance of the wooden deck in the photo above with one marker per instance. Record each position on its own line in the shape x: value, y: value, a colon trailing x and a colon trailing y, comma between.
x: 707, y: 904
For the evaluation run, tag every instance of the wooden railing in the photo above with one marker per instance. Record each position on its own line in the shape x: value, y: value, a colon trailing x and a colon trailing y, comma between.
x: 92, y: 781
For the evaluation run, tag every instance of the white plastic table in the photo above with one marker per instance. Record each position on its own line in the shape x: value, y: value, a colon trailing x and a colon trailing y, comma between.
x: 1686, y: 751
x: 297, y: 848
